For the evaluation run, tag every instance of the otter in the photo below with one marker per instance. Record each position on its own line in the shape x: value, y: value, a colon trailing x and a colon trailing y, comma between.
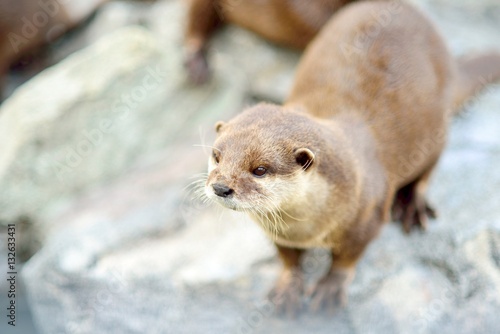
x: 292, y: 23
x: 27, y: 25
x: 325, y: 169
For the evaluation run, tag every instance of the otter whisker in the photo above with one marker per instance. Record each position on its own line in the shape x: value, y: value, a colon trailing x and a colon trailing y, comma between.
x: 196, y: 190
x: 275, y: 195
x: 263, y: 217
x: 293, y: 217
x: 279, y: 213
x: 274, y: 216
x: 267, y: 221
x: 206, y: 146
x: 277, y: 223
x: 201, y: 178
x: 198, y: 175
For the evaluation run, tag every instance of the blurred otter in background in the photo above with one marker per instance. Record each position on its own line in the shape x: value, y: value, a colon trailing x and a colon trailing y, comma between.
x: 292, y: 23
x: 27, y: 25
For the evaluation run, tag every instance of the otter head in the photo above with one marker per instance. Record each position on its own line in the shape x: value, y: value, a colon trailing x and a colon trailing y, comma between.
x: 260, y: 159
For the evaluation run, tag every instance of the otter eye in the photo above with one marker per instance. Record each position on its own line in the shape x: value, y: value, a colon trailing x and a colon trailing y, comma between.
x: 216, y: 157
x: 259, y: 171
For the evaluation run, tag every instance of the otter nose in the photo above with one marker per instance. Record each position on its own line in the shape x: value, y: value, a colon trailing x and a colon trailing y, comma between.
x: 222, y: 190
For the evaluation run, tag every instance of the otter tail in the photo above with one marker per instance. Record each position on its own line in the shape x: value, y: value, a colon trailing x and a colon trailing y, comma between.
x: 474, y: 73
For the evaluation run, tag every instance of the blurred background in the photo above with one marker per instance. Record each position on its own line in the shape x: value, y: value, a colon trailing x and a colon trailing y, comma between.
x: 102, y: 137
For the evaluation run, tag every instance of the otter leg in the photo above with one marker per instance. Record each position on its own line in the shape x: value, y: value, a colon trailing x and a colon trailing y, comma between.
x: 410, y: 205
x: 330, y: 293
x: 203, y: 19
x: 289, y: 288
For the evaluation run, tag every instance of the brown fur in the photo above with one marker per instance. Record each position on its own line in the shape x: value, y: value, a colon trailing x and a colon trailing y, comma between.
x: 26, y: 25
x: 292, y: 23
x: 371, y: 103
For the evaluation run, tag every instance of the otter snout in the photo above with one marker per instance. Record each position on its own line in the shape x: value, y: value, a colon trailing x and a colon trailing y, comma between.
x: 222, y: 190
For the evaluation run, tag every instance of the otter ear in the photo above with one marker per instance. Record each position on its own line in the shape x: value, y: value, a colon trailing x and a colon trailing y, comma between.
x: 219, y: 125
x: 304, y: 157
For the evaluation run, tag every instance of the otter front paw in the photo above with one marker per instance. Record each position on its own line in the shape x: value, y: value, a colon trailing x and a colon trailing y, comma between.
x: 288, y: 292
x: 330, y: 293
x: 197, y: 68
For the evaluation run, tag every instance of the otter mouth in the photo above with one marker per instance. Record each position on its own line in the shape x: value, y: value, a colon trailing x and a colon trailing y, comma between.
x: 227, y: 202
x: 233, y: 205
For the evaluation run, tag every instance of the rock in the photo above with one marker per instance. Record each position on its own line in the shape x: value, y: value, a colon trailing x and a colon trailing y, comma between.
x: 110, y: 17
x: 146, y: 208
x: 91, y: 117
x: 131, y: 250
x: 57, y: 131
x: 151, y: 255
x: 70, y: 150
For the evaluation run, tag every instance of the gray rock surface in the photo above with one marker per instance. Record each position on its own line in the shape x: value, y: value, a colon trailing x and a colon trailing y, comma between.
x: 151, y: 260
x: 128, y: 248
x: 92, y: 116
x: 60, y: 133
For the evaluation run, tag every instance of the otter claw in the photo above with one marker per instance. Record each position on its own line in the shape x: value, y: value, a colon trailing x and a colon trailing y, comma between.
x: 287, y: 294
x: 412, y: 209
x: 417, y: 214
x: 330, y: 293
